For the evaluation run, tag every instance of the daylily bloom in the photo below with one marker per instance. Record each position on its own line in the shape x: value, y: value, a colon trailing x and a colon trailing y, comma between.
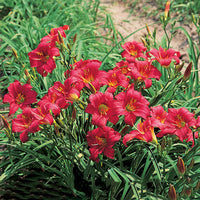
x: 19, y: 96
x: 54, y: 101
x: 164, y: 57
x: 42, y: 114
x: 133, y: 50
x: 53, y: 36
x: 132, y: 104
x: 178, y: 122
x: 124, y: 66
x: 167, y: 7
x: 101, y: 140
x: 81, y: 64
x: 116, y: 79
x: 102, y: 108
x: 143, y: 71
x: 158, y: 116
x: 42, y: 58
x: 87, y: 73
x: 145, y: 131
x: 25, y: 123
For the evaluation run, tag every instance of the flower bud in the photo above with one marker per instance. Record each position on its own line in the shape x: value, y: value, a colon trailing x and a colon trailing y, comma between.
x: 28, y: 76
x: 178, y: 68
x: 5, y: 122
x: 188, y: 179
x: 148, y: 30
x: 56, y: 129
x: 188, y: 192
x: 125, y: 130
x: 187, y: 72
x: 181, y: 166
x: 143, y: 41
x: 167, y: 7
x: 172, y: 192
x: 191, y: 163
x: 197, y: 186
x: 74, y: 38
x: 194, y: 19
x: 60, y: 38
x: 163, y: 143
x: 15, y: 53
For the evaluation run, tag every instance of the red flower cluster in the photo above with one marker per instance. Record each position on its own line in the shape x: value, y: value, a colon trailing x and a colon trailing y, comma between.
x: 43, y: 56
x: 111, y: 96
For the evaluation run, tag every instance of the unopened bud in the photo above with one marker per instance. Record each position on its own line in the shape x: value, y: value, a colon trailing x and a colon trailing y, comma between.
x: 188, y: 179
x: 5, y: 122
x: 143, y: 41
x: 181, y: 165
x: 172, y: 192
x: 74, y: 39
x: 28, y: 76
x: 188, y: 192
x: 169, y: 142
x: 179, y: 80
x: 187, y: 72
x: 148, y: 30
x: 178, y: 68
x: 197, y: 186
x: 56, y: 129
x: 194, y: 19
x: 15, y: 53
x: 163, y: 143
x: 124, y: 130
x: 60, y: 38
x: 68, y: 46
x: 191, y: 163
x: 167, y: 7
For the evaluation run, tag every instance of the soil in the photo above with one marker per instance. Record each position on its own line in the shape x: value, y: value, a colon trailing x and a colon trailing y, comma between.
x: 126, y: 23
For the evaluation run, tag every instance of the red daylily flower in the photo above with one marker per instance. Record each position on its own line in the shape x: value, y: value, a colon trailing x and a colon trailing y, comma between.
x: 53, y: 36
x: 81, y: 64
x: 87, y: 73
x: 132, y: 104
x: 59, y: 96
x: 143, y: 71
x: 164, y: 57
x: 42, y: 58
x: 159, y: 116
x: 42, y: 114
x: 25, y: 123
x: 124, y: 66
x: 19, y: 96
x: 102, y: 108
x: 71, y: 92
x: 178, y: 122
x: 133, y: 50
x: 53, y: 101
x: 115, y: 79
x: 101, y: 140
x: 145, y: 131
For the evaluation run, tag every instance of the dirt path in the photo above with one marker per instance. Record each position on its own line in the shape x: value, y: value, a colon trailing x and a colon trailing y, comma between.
x: 127, y: 23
